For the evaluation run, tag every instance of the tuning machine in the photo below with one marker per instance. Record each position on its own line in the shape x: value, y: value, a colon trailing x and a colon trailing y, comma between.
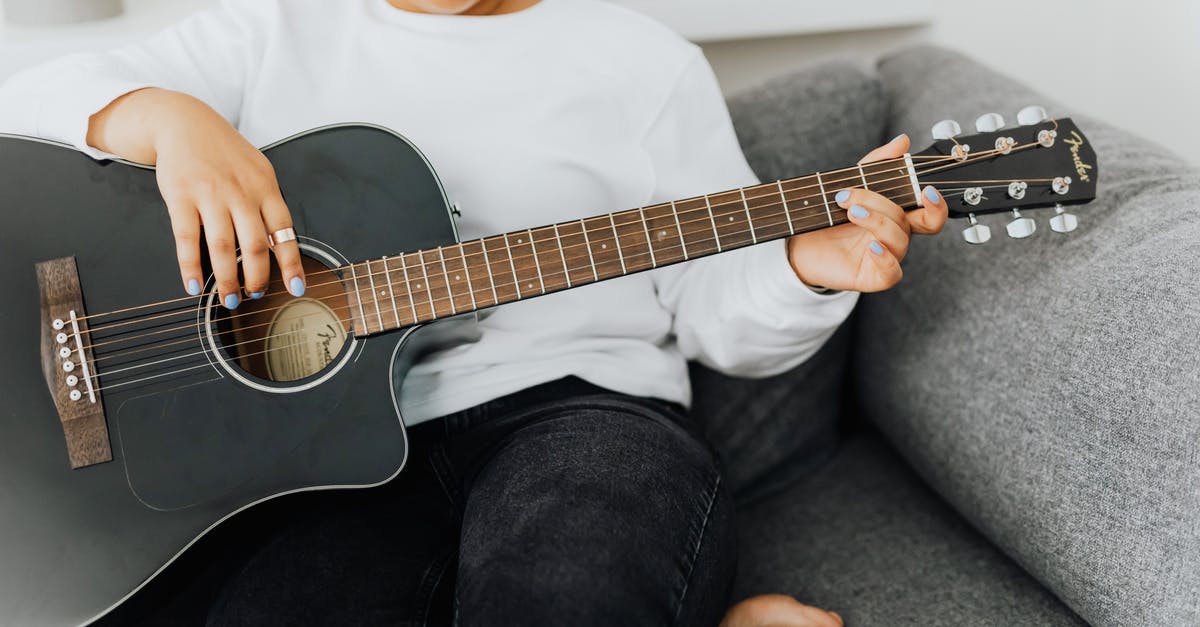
x: 1033, y: 114
x: 1020, y: 227
x: 946, y: 129
x: 976, y: 233
x: 1063, y: 222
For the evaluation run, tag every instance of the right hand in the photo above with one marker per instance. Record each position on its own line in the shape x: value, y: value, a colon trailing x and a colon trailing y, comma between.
x: 213, y: 180
x: 777, y: 610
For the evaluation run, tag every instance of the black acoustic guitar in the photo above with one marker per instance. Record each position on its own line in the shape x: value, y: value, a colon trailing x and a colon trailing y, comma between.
x: 135, y: 420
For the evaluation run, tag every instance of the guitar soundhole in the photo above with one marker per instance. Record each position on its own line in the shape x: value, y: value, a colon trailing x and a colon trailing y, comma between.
x: 282, y: 339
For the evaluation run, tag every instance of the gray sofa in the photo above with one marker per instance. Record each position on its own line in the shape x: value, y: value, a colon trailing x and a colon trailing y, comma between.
x: 1011, y: 436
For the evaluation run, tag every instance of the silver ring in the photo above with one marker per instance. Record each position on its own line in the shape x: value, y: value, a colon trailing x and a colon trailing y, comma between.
x: 281, y: 236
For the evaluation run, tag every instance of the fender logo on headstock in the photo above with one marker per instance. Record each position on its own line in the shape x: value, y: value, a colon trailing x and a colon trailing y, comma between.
x: 1076, y: 142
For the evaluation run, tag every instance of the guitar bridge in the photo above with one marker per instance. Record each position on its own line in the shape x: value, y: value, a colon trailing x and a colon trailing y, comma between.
x: 68, y: 365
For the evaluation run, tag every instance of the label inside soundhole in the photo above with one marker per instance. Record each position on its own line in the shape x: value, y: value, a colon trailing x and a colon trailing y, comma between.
x: 303, y: 337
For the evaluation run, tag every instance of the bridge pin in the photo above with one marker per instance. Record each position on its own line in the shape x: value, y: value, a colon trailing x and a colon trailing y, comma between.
x: 72, y: 380
x: 68, y: 366
x: 58, y: 324
x: 76, y: 395
x: 61, y: 338
x: 64, y: 352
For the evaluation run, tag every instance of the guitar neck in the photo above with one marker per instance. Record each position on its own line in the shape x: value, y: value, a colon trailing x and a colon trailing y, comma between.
x: 427, y: 285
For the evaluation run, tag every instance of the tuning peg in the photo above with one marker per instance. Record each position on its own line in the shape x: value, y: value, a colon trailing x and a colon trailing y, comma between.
x: 976, y: 233
x: 1033, y: 114
x: 989, y: 123
x: 946, y: 129
x: 1063, y: 222
x: 1021, y: 227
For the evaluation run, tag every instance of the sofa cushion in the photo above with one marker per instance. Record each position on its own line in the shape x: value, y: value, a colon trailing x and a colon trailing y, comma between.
x: 1048, y: 388
x: 864, y: 537
x: 771, y: 430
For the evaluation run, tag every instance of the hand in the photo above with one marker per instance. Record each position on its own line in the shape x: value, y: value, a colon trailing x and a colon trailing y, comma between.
x: 864, y: 256
x: 212, y: 179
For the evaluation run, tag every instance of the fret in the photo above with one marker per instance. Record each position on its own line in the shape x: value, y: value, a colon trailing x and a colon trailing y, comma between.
x: 632, y: 240
x: 456, y: 267
x: 699, y: 234
x: 732, y: 227
x: 749, y: 220
x: 362, y: 315
x: 387, y: 276
x: 863, y: 175
x: 824, y: 199
x: 662, y: 226
x: 428, y: 287
x: 767, y: 217
x: 501, y: 269
x: 525, y: 266
x: 713, y: 219
x: 549, y: 256
x: 408, y: 284
x: 475, y: 260
x: 374, y: 294
x: 602, y: 244
x: 446, y: 278
x: 617, y: 243
x: 679, y: 230
x: 649, y: 244
x: 577, y: 253
x: 536, y: 263
x: 786, y: 211
x: 562, y: 255
x: 513, y: 265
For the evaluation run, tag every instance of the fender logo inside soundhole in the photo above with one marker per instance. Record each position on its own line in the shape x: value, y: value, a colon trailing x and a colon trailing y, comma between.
x: 303, y: 338
x: 1076, y: 142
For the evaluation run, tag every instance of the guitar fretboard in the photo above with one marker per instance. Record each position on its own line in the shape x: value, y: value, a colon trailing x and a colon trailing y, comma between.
x: 423, y: 286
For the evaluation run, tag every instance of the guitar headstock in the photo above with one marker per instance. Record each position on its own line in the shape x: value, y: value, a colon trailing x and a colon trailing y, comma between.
x: 1039, y: 163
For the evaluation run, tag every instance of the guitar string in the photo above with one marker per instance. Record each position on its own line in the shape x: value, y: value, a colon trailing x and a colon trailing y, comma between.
x: 859, y: 166
x: 816, y: 213
x: 452, y: 286
x: 830, y: 172
x: 820, y: 213
x: 207, y: 352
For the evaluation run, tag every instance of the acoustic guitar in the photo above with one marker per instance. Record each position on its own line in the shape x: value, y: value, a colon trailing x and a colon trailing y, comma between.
x: 135, y: 421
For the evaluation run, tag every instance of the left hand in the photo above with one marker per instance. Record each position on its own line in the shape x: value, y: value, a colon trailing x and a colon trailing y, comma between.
x: 864, y: 256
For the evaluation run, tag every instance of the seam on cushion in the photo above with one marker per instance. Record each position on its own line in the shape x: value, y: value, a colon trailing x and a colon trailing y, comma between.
x: 691, y: 565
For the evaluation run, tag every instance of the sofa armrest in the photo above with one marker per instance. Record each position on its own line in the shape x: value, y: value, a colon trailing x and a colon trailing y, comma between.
x: 1050, y: 388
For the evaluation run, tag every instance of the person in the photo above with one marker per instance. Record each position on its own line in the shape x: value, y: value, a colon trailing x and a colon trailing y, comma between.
x: 555, y: 476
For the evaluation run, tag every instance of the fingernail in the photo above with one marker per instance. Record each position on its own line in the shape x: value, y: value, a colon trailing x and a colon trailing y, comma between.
x: 842, y: 196
x: 898, y: 138
x: 876, y: 248
x: 231, y: 301
x: 193, y: 287
x: 257, y: 295
x: 858, y: 212
x: 931, y: 194
x: 296, y: 286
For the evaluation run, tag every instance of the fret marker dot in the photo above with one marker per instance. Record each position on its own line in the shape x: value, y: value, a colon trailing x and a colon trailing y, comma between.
x: 383, y: 292
x: 418, y: 286
x: 604, y: 246
x: 519, y: 240
x: 806, y: 203
x: 731, y: 218
x: 531, y: 286
x: 457, y: 277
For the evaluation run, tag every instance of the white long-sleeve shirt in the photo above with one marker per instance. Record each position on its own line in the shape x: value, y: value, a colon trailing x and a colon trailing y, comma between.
x: 565, y: 110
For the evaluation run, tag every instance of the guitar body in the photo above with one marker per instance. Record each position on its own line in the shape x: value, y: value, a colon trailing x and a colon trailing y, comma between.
x: 189, y: 447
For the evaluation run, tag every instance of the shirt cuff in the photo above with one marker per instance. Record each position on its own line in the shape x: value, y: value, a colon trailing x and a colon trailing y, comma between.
x: 64, y: 114
x: 777, y: 281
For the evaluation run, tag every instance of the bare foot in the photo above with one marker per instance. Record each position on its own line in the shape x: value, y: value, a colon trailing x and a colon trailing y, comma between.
x: 777, y: 610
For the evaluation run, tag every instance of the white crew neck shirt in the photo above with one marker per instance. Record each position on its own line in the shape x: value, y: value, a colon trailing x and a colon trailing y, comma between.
x: 565, y: 110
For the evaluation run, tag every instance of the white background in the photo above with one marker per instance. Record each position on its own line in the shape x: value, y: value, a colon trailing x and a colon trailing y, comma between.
x: 1136, y: 64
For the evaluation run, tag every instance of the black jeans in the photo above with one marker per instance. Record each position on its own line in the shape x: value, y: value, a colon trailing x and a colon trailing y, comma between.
x: 564, y: 504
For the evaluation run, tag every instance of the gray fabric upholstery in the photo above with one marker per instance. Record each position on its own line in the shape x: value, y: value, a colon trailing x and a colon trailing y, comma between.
x: 771, y: 430
x: 864, y: 537
x: 1050, y: 388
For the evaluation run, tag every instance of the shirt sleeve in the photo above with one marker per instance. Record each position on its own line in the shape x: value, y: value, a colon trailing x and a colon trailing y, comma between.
x: 744, y: 312
x: 210, y: 56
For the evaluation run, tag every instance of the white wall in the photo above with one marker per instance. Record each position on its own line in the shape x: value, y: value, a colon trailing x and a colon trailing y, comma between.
x: 1136, y: 64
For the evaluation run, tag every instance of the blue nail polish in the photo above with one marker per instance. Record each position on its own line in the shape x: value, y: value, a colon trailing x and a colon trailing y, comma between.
x: 858, y: 212
x: 296, y: 286
x: 876, y: 248
x: 231, y: 301
x: 931, y: 195
x: 193, y: 287
x: 842, y: 196
x: 257, y: 295
x: 898, y: 138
